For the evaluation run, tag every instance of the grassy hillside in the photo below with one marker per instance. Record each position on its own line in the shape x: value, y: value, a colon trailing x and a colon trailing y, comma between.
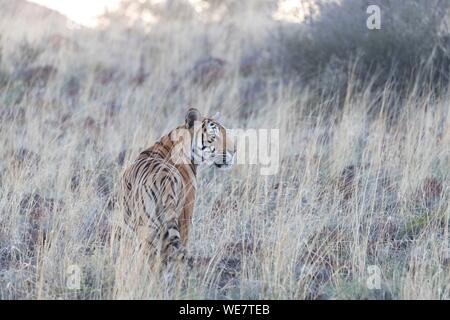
x: 360, y: 188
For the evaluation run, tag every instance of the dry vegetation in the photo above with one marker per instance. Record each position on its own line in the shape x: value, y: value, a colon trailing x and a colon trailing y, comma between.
x: 358, y: 185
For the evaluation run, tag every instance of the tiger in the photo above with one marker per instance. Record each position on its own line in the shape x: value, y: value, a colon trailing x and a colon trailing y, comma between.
x: 159, y: 187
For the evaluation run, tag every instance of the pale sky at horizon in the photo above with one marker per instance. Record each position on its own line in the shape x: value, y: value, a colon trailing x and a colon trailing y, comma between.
x: 83, y: 12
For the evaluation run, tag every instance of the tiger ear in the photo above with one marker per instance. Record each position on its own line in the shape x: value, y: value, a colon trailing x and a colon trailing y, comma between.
x: 192, y: 115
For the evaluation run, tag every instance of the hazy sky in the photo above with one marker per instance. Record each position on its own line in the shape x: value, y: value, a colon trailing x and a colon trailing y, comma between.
x: 85, y: 12
x: 81, y: 11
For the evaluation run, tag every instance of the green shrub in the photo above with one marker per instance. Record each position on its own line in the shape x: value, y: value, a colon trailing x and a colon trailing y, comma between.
x: 413, y: 41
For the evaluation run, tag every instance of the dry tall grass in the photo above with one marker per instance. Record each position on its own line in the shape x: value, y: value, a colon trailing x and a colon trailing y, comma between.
x: 356, y: 187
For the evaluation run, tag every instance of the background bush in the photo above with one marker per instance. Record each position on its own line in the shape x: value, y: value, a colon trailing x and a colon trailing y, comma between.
x: 354, y: 188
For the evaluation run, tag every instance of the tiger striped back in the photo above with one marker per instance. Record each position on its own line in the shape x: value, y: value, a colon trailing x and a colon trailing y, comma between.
x: 159, y: 186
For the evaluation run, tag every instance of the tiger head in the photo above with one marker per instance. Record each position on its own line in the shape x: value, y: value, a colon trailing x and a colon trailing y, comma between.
x: 211, y: 143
